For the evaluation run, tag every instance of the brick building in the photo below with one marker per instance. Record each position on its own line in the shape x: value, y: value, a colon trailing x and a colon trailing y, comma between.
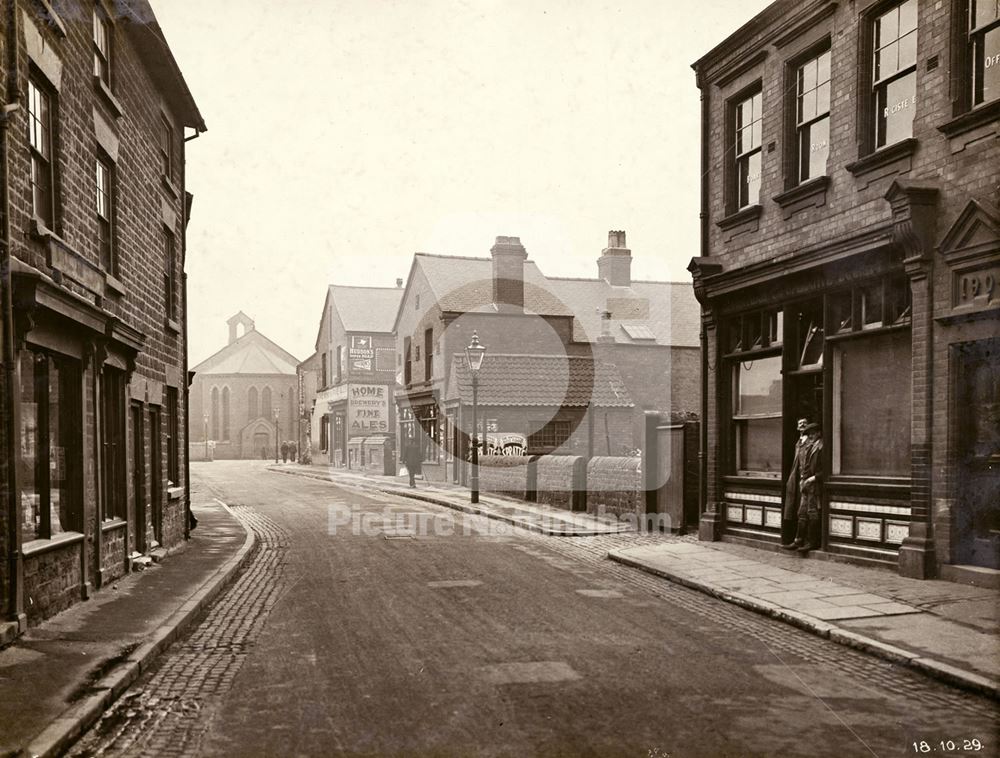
x: 350, y: 412
x: 94, y: 391
x: 630, y: 346
x: 848, y: 271
x: 244, y: 398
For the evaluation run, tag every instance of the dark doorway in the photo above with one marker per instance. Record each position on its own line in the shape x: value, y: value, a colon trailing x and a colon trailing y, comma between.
x: 977, y: 436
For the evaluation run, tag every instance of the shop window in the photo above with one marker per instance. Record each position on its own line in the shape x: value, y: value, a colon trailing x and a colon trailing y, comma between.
x: 894, y: 77
x: 984, y: 50
x: 757, y: 416
x: 50, y: 449
x: 114, y: 476
x: 876, y: 304
x: 871, y: 405
x: 811, y: 336
x: 746, y: 137
x: 754, y: 331
x: 841, y: 312
x: 812, y: 116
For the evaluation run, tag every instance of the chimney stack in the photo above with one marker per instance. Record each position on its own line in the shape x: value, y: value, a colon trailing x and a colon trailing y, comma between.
x: 508, y: 271
x: 615, y: 264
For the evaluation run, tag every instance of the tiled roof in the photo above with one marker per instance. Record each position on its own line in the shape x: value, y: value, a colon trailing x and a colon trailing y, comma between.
x: 541, y: 380
x: 366, y: 309
x: 668, y: 309
x: 464, y: 285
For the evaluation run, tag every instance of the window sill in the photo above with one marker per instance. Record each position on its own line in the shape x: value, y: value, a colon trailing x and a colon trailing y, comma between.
x: 35, y: 547
x: 175, y: 493
x: 884, y: 157
x: 114, y: 284
x: 742, y: 222
x: 810, y: 194
x: 173, y: 326
x: 65, y: 261
x: 109, y: 525
x: 170, y: 186
x: 969, y: 120
x: 109, y: 98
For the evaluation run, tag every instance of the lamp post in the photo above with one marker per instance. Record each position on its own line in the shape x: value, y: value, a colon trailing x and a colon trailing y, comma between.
x: 474, y: 354
x: 277, y: 433
x: 206, y: 436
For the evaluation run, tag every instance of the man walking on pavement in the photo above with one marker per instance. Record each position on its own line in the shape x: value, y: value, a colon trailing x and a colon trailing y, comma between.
x: 803, y: 488
x: 411, y: 459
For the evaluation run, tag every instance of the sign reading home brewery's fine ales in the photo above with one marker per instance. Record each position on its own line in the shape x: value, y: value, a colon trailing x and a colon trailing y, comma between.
x: 368, y: 409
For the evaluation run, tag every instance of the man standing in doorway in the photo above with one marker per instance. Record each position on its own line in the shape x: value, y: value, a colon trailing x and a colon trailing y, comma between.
x: 802, y: 492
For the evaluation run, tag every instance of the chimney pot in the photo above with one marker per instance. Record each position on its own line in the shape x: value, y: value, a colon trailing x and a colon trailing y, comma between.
x: 615, y: 264
x: 399, y: 282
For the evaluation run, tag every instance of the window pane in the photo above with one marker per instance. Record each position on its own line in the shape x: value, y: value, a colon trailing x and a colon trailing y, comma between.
x: 983, y: 12
x: 897, y: 102
x: 887, y: 61
x: 887, y: 27
x: 758, y: 445
x: 31, y: 506
x: 823, y: 66
x: 823, y: 98
x: 872, y: 406
x: 819, y: 147
x: 871, y: 306
x: 807, y: 106
x: 907, y: 17
x: 758, y: 387
x: 808, y: 76
x: 908, y: 50
x: 61, y: 447
x: 986, y: 71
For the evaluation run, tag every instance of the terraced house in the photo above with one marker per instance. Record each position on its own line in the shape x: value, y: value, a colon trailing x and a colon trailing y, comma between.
x: 848, y: 274
x: 94, y: 387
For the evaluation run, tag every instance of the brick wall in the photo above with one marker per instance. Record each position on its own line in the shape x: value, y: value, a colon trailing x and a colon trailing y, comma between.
x: 504, y: 475
x: 126, y: 126
x: 615, y: 486
x: 561, y: 481
x: 52, y: 580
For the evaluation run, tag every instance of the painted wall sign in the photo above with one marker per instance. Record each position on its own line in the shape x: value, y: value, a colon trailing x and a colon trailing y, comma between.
x: 367, y: 409
x: 505, y: 444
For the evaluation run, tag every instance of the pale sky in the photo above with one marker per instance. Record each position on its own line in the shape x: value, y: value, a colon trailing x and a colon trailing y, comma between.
x: 345, y: 135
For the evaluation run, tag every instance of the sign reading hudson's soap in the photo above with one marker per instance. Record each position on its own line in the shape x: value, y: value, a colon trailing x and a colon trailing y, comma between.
x: 368, y: 409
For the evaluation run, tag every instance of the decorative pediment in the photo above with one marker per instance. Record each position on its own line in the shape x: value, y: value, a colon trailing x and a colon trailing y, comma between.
x: 975, y: 232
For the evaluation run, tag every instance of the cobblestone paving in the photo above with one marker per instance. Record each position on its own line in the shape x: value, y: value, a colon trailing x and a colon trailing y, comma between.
x: 168, y: 711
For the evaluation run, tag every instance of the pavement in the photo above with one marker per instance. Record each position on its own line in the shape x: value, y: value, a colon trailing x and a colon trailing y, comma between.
x: 60, y: 675
x: 943, y: 629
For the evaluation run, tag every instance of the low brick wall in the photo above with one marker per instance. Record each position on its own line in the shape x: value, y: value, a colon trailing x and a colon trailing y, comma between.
x: 561, y: 481
x: 615, y: 486
x: 504, y: 475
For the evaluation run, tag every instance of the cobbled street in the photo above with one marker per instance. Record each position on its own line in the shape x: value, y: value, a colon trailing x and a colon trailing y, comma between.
x: 491, y: 640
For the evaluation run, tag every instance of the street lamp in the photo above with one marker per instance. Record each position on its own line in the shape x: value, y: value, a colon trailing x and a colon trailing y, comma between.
x: 474, y: 354
x: 206, y: 436
x: 277, y: 433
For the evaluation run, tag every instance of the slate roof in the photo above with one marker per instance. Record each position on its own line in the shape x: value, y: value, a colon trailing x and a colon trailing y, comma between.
x: 366, y: 309
x: 672, y: 312
x: 541, y: 380
x: 465, y: 285
x: 253, y: 353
